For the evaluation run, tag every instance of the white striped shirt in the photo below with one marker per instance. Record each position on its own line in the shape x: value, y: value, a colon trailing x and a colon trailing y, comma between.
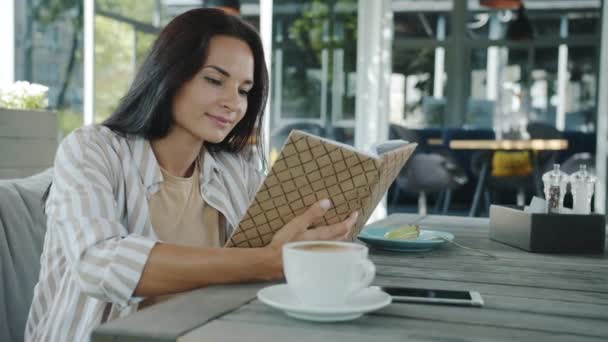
x: 99, y: 233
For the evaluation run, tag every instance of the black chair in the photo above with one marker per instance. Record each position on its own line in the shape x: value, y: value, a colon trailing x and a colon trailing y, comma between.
x: 542, y: 130
x: 523, y: 185
x: 573, y: 163
x: 429, y: 173
x: 426, y: 173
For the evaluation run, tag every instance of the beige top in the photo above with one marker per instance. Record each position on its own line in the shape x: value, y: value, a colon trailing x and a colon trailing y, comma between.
x: 179, y: 215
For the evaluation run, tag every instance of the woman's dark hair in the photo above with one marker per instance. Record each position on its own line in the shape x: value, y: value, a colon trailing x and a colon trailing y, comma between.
x: 176, y: 56
x: 174, y: 59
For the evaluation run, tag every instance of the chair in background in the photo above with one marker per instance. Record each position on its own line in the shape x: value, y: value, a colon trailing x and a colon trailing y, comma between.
x: 543, y: 161
x: 466, y: 157
x: 429, y: 173
x: 22, y: 229
x: 480, y: 114
x: 573, y: 163
x: 426, y: 173
x: 279, y: 135
x: 344, y: 135
x: 522, y: 184
x: 434, y: 110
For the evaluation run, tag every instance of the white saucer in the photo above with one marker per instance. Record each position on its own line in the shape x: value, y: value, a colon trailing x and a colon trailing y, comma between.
x: 280, y: 297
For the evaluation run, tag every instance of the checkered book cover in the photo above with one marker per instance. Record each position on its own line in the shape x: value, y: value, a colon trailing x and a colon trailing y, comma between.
x: 310, y: 168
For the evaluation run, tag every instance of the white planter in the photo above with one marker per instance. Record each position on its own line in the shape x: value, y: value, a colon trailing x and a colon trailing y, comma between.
x: 28, y: 140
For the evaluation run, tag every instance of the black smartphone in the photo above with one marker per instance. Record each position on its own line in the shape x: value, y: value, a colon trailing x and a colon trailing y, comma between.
x: 432, y: 296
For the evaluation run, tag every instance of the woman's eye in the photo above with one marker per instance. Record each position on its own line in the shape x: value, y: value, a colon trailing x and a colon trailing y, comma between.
x: 213, y: 81
x: 244, y: 92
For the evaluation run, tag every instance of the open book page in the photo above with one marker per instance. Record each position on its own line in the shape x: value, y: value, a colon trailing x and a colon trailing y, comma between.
x: 393, y: 157
x: 307, y: 170
x: 387, y: 146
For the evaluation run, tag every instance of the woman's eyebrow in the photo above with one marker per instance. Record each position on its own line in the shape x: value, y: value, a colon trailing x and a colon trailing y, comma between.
x: 224, y: 72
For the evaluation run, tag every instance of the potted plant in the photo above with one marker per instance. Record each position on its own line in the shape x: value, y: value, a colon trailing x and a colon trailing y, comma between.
x: 28, y: 131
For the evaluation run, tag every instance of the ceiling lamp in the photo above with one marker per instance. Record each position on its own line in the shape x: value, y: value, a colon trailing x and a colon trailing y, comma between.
x: 501, y: 4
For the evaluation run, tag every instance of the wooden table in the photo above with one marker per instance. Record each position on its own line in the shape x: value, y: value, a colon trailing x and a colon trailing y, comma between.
x: 503, y: 144
x: 528, y: 297
x: 507, y: 145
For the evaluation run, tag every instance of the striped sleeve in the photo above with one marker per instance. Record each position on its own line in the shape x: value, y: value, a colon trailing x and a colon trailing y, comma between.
x: 253, y: 175
x: 107, y: 260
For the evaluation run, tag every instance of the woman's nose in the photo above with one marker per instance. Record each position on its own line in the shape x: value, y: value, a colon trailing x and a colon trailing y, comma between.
x: 231, y: 100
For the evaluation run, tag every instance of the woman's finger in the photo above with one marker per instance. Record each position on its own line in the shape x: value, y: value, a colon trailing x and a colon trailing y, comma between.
x: 332, y: 232
x: 312, y: 214
x: 300, y: 224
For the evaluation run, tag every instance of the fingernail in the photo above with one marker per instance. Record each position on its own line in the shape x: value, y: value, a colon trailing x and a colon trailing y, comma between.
x: 325, y: 204
x: 355, y: 215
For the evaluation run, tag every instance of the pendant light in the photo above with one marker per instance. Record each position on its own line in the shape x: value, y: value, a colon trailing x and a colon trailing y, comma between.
x: 501, y: 4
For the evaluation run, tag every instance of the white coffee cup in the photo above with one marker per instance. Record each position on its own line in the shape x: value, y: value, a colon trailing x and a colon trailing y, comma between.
x: 326, y: 272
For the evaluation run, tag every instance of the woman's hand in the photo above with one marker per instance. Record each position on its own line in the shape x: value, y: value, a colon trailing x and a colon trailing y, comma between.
x: 298, y: 229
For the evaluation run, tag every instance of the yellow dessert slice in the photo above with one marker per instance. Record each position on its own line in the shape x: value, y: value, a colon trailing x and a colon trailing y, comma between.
x: 408, y: 232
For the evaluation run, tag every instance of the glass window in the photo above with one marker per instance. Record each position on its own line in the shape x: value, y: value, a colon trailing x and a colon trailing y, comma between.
x: 420, y: 25
x: 415, y: 101
x: 314, y: 69
x: 48, y: 46
x: 124, y: 31
x: 418, y: 83
x: 543, y: 85
x: 493, y: 24
x: 581, y: 23
x: 581, y: 101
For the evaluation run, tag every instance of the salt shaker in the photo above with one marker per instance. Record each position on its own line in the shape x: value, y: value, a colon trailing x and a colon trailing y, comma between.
x: 582, y: 186
x: 555, y: 182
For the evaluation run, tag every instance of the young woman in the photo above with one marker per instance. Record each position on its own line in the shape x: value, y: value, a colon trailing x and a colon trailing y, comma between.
x: 141, y: 205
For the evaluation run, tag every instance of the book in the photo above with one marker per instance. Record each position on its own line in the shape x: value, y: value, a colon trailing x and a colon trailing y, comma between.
x: 310, y: 168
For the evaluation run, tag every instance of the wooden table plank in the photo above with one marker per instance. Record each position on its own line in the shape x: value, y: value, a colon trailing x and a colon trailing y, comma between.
x: 558, y: 296
x: 168, y: 320
x: 257, y: 321
x: 594, y: 283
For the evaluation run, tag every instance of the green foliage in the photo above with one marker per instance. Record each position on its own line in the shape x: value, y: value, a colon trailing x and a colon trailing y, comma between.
x: 68, y: 121
x: 114, y: 66
x: 319, y: 27
x: 48, y: 12
x: 116, y: 56
x: 312, y: 29
x: 119, y: 50
x: 139, y: 10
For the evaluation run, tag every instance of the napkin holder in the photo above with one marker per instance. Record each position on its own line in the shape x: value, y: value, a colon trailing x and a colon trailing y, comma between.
x: 548, y: 233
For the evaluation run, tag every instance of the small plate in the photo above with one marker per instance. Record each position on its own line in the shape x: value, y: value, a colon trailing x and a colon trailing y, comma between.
x: 280, y: 297
x: 374, y: 236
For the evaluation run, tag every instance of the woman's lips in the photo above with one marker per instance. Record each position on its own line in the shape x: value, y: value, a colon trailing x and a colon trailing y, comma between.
x: 220, y: 121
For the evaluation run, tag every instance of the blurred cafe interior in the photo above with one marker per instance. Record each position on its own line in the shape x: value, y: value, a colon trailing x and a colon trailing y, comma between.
x: 473, y: 82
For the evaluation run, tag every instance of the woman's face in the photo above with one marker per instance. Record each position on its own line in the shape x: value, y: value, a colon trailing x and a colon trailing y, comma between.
x: 209, y: 105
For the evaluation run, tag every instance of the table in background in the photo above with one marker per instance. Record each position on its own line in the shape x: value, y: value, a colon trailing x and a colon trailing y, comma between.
x: 531, y: 297
x: 533, y: 145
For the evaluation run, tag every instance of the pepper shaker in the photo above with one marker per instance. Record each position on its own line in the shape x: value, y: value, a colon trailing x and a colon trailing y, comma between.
x: 555, y: 182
